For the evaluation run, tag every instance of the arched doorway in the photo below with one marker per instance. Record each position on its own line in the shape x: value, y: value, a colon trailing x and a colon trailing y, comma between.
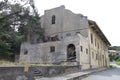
x: 71, y: 53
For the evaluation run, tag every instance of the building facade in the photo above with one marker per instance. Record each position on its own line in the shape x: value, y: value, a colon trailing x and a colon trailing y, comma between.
x: 70, y: 39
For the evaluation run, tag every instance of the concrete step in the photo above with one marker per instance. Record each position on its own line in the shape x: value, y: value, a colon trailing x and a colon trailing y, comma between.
x: 37, y: 73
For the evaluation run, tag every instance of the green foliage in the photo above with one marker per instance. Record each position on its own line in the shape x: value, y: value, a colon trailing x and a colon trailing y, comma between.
x: 114, y: 48
x: 112, y: 57
x: 118, y: 62
x: 118, y: 58
x: 110, y: 67
x: 16, y: 24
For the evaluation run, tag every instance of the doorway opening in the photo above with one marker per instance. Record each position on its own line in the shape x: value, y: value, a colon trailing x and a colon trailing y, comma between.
x: 71, y: 53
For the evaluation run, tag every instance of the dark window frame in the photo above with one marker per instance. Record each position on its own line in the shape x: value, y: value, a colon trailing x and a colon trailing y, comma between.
x: 98, y: 46
x: 93, y: 55
x: 96, y: 56
x: 68, y: 34
x: 53, y: 19
x: 91, y: 38
x: 52, y: 48
x: 81, y: 48
x: 25, y: 52
x: 86, y: 51
x: 95, y: 42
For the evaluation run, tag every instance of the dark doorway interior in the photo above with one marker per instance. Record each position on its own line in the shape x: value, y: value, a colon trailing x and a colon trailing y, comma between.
x: 71, y: 53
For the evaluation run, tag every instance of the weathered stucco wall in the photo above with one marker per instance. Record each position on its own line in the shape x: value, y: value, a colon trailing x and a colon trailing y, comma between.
x: 75, y: 22
x: 47, y: 22
x: 98, y: 49
x: 69, y: 28
x: 66, y: 22
x: 40, y: 53
x: 16, y: 73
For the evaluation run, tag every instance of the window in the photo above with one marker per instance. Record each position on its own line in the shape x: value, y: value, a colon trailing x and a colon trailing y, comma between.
x: 101, y: 45
x: 25, y: 52
x: 68, y: 34
x: 95, y: 42
x: 86, y: 51
x: 91, y: 38
x: 77, y: 32
x: 81, y: 48
x: 53, y: 19
x: 93, y: 55
x: 52, y: 49
x: 38, y: 40
x: 98, y: 45
x: 96, y: 56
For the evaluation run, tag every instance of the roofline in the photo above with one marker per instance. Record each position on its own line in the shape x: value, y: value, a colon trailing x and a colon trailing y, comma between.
x: 94, y: 25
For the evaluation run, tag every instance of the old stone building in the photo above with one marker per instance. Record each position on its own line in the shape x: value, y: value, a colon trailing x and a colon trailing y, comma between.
x: 70, y: 39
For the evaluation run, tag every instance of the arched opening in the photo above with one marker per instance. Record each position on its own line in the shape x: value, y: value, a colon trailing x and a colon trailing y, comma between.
x: 71, y: 53
x: 53, y: 19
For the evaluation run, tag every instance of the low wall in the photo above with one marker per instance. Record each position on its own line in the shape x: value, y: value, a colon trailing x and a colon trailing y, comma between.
x: 17, y: 73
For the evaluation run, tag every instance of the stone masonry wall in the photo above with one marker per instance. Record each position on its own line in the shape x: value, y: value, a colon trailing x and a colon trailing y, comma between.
x: 17, y: 73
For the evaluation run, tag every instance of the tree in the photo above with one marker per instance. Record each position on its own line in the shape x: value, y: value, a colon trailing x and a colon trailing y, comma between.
x: 18, y: 23
x: 114, y: 48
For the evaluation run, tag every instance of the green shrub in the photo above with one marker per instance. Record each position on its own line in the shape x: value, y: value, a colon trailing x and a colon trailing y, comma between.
x: 118, y: 59
x: 114, y: 57
x: 110, y: 66
x: 118, y: 62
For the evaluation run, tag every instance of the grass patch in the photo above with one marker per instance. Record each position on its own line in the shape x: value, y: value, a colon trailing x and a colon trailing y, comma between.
x: 118, y: 62
x: 4, y: 62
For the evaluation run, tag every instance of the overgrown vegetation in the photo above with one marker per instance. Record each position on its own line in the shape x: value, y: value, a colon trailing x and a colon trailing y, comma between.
x: 118, y: 62
x: 110, y: 67
x: 17, y: 23
x: 114, y: 57
x: 114, y: 48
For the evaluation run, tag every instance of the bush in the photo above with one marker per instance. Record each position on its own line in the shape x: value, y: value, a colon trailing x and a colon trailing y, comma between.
x: 110, y: 66
x: 114, y: 57
x: 118, y: 62
x: 118, y: 59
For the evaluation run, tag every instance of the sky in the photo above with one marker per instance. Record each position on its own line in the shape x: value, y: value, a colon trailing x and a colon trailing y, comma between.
x: 106, y: 13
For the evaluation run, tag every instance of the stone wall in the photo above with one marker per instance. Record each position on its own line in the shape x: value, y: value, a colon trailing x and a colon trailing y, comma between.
x: 66, y: 22
x: 16, y: 73
x: 40, y: 53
